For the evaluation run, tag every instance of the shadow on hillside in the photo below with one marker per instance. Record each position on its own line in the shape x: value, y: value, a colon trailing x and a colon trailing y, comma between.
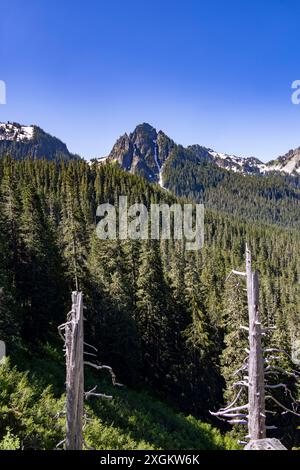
x: 135, y: 417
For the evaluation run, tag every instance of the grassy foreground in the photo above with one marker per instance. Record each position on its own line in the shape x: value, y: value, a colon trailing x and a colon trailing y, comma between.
x: 32, y: 406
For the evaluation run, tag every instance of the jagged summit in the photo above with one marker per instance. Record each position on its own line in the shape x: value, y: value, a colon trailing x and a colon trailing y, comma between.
x: 143, y: 152
x: 146, y: 150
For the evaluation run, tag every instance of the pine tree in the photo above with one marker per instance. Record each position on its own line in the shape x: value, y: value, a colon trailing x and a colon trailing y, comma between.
x: 152, y: 312
x: 112, y: 308
x: 40, y: 269
x: 235, y: 315
x: 74, y: 234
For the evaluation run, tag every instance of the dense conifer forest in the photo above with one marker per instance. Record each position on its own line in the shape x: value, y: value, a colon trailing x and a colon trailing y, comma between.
x: 165, y: 319
x: 272, y: 198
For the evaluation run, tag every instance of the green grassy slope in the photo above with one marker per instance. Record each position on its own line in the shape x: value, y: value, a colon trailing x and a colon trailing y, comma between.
x: 32, y: 404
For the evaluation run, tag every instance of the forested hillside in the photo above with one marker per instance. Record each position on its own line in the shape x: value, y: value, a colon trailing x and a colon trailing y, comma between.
x: 165, y: 319
x: 242, y: 187
x: 272, y: 198
x: 32, y: 417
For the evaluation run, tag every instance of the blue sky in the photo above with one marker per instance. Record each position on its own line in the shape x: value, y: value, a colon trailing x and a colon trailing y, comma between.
x: 217, y: 73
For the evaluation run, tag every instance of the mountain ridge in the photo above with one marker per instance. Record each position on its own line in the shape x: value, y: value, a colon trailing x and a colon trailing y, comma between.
x: 244, y: 188
x: 145, y: 151
x: 20, y: 141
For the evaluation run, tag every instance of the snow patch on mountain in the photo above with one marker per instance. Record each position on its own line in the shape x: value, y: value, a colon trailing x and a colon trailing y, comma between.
x: 231, y: 161
x: 16, y: 132
x: 289, y: 163
x: 159, y: 167
x: 99, y: 160
x: 246, y: 164
x: 224, y: 156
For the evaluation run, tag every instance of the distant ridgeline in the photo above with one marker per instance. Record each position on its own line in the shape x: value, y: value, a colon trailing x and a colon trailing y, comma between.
x: 20, y: 142
x: 147, y: 150
x: 243, y: 187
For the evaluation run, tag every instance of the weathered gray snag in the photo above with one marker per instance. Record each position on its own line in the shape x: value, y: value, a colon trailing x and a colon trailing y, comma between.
x: 2, y: 352
x: 256, y: 389
x: 257, y: 366
x: 72, y: 334
x: 75, y: 374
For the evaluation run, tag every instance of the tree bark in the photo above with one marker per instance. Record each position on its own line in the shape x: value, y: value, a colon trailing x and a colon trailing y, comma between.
x: 75, y: 374
x: 256, y: 389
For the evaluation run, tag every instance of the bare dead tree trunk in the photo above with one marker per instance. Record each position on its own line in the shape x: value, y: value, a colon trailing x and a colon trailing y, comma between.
x: 75, y: 374
x: 256, y: 388
x: 258, y: 364
x: 72, y: 334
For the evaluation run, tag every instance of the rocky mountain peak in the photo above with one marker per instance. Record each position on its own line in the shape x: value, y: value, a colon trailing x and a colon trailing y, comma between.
x: 146, y: 150
x: 143, y: 152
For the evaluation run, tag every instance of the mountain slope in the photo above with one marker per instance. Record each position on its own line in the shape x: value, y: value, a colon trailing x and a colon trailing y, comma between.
x: 245, y: 188
x: 145, y: 150
x: 272, y: 198
x: 288, y: 163
x: 21, y: 142
x: 155, y: 313
x: 132, y: 420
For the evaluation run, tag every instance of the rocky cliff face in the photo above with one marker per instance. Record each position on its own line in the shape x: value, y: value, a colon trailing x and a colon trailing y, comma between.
x: 143, y: 152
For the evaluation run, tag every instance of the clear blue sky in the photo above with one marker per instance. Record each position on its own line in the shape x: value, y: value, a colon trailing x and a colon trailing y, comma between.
x: 216, y: 73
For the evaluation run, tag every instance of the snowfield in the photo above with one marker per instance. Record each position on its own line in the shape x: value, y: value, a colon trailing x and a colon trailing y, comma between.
x: 16, y: 133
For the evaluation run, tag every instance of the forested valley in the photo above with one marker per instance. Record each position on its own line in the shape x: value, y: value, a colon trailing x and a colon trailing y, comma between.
x: 165, y: 319
x: 272, y: 198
